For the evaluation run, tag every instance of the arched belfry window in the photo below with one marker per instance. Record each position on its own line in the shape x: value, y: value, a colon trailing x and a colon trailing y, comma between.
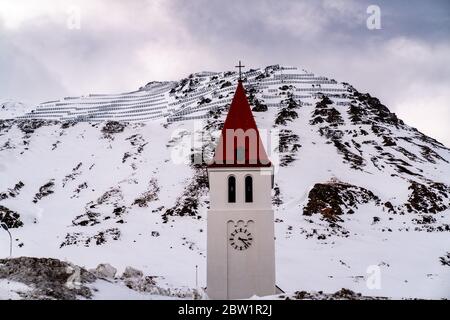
x: 231, y: 189
x: 248, y: 189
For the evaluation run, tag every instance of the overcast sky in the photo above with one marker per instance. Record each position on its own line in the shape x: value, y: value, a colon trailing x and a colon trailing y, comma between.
x: 122, y: 45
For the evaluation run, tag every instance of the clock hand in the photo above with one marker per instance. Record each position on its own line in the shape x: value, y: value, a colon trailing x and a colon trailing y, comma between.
x: 244, y: 241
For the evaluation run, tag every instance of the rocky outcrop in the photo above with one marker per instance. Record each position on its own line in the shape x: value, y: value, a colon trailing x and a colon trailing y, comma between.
x: 343, y: 294
x: 189, y: 202
x: 258, y: 105
x: 105, y: 271
x: 288, y: 147
x: 9, y: 218
x: 48, y: 278
x: 98, y: 238
x: 148, y: 196
x: 12, y: 192
x: 287, y: 111
x: 29, y: 126
x: 326, y: 113
x: 334, y: 199
x: 113, y: 127
x: 445, y: 260
x: 44, y: 191
x: 428, y: 198
x: 107, y: 206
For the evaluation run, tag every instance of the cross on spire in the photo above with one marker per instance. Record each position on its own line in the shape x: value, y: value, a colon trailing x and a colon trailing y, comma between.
x: 240, y: 66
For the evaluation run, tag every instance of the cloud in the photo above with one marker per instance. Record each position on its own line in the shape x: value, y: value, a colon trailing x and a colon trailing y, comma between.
x: 410, y: 76
x: 23, y: 78
x: 430, y: 112
x: 122, y: 45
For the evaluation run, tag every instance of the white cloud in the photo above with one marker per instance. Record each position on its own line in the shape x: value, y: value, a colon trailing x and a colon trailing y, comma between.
x: 411, y: 77
x: 428, y: 108
x: 14, y: 13
x: 124, y: 44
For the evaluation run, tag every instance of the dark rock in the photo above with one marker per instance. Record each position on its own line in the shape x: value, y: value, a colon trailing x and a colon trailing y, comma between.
x: 287, y: 112
x: 324, y: 113
x: 113, y: 127
x: 288, y: 147
x: 188, y: 203
x: 428, y: 198
x: 49, y: 278
x: 44, y: 191
x: 29, y: 126
x: 343, y: 294
x: 9, y: 218
x: 148, y: 196
x: 445, y: 260
x: 331, y: 199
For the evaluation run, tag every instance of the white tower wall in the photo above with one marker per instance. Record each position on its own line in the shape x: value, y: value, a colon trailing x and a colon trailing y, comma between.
x: 238, y: 274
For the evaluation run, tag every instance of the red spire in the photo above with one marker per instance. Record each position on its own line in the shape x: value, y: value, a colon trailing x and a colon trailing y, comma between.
x: 240, y: 144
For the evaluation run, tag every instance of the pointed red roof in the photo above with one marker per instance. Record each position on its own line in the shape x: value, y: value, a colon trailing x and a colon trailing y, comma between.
x: 240, y: 144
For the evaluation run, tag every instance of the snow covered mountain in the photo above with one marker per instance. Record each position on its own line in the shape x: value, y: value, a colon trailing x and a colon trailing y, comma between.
x: 362, y: 200
x: 11, y: 109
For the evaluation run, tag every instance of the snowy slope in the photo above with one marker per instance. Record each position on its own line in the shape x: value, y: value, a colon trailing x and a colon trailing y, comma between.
x: 355, y: 186
x: 12, y: 109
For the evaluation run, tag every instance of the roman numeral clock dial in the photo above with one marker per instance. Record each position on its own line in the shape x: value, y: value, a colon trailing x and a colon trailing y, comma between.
x: 240, y: 239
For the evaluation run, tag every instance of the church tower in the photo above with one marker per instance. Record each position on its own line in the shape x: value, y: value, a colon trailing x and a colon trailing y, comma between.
x: 240, y: 222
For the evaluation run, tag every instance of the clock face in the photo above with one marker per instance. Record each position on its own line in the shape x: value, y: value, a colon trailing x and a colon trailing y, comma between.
x: 240, y: 239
